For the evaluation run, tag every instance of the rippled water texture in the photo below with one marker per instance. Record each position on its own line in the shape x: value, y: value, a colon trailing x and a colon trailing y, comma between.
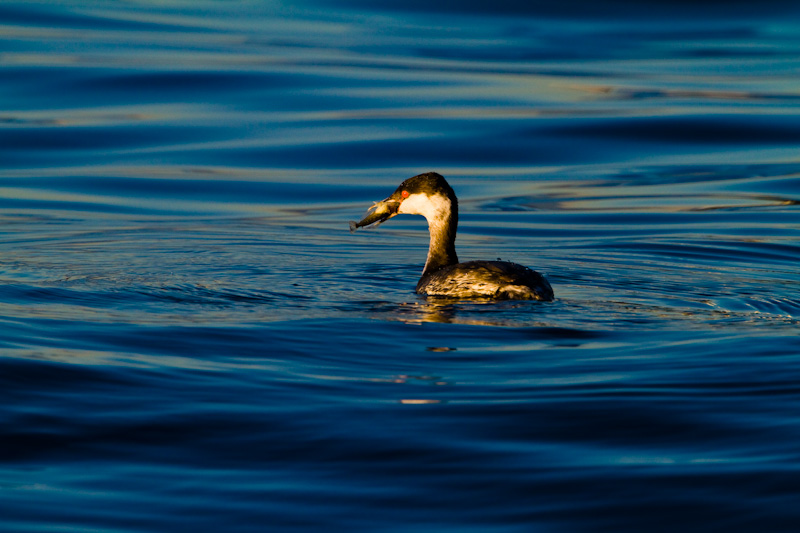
x: 192, y: 340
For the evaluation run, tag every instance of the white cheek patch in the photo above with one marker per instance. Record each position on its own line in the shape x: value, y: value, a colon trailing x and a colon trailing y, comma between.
x: 431, y: 207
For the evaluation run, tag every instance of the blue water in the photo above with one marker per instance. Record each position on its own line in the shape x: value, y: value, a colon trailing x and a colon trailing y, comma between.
x: 192, y: 340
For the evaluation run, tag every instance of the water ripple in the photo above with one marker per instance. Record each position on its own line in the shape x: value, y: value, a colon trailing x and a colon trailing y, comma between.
x: 186, y: 322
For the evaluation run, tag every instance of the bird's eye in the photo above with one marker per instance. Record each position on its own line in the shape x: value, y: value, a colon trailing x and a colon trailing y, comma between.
x: 404, y: 194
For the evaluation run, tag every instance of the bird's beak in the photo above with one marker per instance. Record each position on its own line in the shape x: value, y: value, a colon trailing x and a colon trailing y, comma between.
x: 379, y: 212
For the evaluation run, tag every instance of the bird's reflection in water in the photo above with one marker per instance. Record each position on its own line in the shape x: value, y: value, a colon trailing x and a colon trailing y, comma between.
x: 469, y: 312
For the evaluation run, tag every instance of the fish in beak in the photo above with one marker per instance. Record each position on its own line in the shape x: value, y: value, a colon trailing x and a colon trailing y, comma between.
x: 379, y: 212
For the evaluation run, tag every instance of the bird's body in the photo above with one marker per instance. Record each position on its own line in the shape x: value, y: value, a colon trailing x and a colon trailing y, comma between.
x: 499, y: 280
x: 431, y: 196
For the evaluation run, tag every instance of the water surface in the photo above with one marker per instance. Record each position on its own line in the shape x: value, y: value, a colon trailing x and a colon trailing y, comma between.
x: 191, y: 339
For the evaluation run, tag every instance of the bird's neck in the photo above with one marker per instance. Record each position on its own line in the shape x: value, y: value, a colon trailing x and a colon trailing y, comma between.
x: 442, y: 225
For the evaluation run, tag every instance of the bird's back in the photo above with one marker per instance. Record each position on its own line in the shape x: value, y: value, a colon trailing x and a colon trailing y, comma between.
x: 486, y: 279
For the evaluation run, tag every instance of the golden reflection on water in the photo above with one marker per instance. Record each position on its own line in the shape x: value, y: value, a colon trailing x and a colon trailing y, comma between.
x: 634, y: 93
x: 455, y: 311
x: 618, y: 196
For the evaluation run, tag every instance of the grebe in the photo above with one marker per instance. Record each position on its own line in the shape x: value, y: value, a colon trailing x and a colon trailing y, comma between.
x: 431, y: 196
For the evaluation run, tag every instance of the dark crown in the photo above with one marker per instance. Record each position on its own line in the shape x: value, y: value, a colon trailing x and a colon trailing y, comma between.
x: 429, y: 184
